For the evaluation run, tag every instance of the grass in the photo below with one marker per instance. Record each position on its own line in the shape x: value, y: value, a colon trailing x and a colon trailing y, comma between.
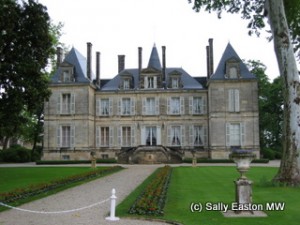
x: 19, y: 178
x: 13, y: 178
x: 215, y: 185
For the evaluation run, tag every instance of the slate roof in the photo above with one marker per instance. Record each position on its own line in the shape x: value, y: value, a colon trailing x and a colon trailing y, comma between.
x: 154, y: 61
x: 187, y: 80
x: 230, y: 53
x: 76, y: 59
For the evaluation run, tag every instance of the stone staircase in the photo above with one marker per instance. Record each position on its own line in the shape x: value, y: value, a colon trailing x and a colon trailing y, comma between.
x: 150, y: 155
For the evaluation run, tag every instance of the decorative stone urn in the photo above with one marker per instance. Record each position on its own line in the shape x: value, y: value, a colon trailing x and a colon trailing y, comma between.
x: 242, y: 158
x: 243, y: 186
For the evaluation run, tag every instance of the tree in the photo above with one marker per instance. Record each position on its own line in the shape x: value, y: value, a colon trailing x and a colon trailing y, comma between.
x: 270, y: 103
x: 285, y: 33
x: 25, y: 46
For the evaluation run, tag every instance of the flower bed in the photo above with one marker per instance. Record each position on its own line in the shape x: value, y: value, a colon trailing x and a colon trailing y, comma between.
x: 33, y: 190
x: 152, y: 199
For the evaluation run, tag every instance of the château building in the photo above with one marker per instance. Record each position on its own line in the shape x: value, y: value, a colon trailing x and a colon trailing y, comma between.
x: 152, y: 113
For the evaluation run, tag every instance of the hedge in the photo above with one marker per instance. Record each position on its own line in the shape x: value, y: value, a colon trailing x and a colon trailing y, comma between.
x: 55, y: 162
x: 189, y: 160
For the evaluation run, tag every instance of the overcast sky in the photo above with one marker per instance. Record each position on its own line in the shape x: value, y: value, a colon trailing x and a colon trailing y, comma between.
x: 121, y: 26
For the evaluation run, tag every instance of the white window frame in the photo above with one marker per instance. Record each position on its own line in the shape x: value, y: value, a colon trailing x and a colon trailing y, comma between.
x: 66, y: 103
x: 105, y: 132
x: 198, y: 135
x: 176, y: 135
x: 234, y: 100
x: 176, y: 105
x: 66, y: 140
x: 126, y: 136
x: 150, y: 106
x: 150, y: 82
x: 104, y: 107
x: 197, y: 105
x: 126, y: 106
x: 230, y: 136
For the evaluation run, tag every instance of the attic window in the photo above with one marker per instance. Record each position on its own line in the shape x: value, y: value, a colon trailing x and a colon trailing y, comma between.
x: 174, y: 80
x: 67, y: 74
x: 233, y: 69
x: 126, y: 81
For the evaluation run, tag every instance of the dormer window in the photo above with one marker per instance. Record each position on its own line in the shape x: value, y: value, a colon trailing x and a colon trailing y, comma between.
x: 150, y: 82
x: 174, y: 79
x: 233, y: 69
x: 126, y: 81
x: 66, y: 76
x: 175, y: 82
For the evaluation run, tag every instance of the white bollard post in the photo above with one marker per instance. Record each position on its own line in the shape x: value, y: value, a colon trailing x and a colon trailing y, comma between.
x: 113, y: 207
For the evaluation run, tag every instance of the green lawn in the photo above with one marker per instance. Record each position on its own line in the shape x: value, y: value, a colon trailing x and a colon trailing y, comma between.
x: 215, y: 185
x: 13, y: 178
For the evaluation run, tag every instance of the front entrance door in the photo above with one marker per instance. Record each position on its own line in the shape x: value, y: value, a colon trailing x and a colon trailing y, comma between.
x: 151, y: 136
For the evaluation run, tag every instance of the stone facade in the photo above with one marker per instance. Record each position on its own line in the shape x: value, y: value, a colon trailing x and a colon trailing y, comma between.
x: 152, y: 114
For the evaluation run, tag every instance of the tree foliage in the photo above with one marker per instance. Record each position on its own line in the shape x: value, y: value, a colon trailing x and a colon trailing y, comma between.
x: 254, y: 11
x: 25, y: 46
x: 270, y: 103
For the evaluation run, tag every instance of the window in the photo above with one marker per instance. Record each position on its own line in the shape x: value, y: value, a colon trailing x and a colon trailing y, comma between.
x: 233, y: 72
x: 233, y: 100
x: 65, y: 136
x: 234, y: 134
x: 104, y: 156
x: 126, y: 136
x: 197, y: 105
x: 126, y: 106
x: 126, y: 83
x: 150, y: 106
x: 104, y: 136
x: 151, y: 136
x: 198, y: 135
x: 66, y: 76
x: 150, y: 82
x: 104, y: 107
x: 66, y: 103
x: 175, y: 105
x: 175, y: 82
x: 175, y: 134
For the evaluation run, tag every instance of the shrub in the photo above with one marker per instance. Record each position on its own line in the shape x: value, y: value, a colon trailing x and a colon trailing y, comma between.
x: 268, y: 153
x: 152, y: 199
x: 17, y: 154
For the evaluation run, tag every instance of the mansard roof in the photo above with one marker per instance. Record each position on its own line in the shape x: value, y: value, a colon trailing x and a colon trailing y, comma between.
x: 230, y: 54
x: 78, y: 61
x: 187, y: 80
x: 154, y: 61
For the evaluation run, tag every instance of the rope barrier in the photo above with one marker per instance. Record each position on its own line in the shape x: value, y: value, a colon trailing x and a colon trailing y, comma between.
x: 54, y: 212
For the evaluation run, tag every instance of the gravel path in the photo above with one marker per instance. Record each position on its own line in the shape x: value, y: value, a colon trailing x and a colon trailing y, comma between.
x: 95, y: 191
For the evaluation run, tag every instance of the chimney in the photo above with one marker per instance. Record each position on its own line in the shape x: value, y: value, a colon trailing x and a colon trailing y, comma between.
x: 140, y: 59
x: 59, y: 53
x: 164, y: 66
x: 211, y: 56
x: 207, y: 62
x: 98, y: 69
x: 121, y: 62
x: 89, y: 60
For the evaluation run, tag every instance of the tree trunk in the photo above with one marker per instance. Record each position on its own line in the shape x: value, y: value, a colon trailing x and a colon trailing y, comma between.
x: 289, y: 167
